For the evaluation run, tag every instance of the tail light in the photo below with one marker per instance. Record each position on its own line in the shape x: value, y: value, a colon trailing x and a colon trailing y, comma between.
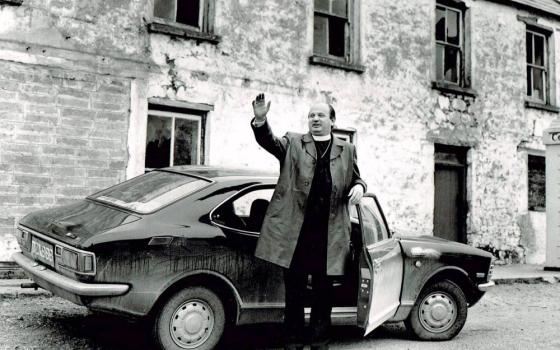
x: 76, y: 260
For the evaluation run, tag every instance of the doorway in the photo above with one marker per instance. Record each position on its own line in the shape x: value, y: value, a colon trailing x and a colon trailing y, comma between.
x: 450, y: 192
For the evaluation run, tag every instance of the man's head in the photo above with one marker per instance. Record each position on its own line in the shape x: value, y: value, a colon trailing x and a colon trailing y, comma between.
x: 321, y: 119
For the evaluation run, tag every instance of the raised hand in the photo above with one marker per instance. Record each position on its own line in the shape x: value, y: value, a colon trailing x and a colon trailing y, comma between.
x: 260, y: 107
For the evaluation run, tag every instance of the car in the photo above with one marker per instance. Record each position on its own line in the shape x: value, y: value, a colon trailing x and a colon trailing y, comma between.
x: 176, y: 246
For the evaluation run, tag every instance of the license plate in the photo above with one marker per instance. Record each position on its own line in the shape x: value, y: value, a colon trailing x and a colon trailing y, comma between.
x: 42, y: 251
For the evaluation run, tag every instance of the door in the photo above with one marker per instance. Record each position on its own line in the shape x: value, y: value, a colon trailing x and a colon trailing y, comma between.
x: 450, y: 193
x: 381, y: 268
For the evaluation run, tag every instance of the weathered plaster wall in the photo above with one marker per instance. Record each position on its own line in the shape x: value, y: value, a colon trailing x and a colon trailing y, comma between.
x: 265, y: 47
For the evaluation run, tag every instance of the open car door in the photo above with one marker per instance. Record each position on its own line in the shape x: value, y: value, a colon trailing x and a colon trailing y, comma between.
x: 381, y: 268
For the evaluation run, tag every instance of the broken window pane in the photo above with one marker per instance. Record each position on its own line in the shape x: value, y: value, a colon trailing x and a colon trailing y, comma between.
x: 188, y: 12
x: 537, y: 185
x: 538, y: 83
x: 440, y: 24
x: 451, y: 69
x: 337, y: 35
x: 158, y: 142
x: 539, y: 50
x: 529, y: 37
x: 186, y: 142
x: 322, y: 5
x: 453, y: 27
x: 320, y: 27
x: 339, y: 7
x: 165, y: 9
x: 440, y: 51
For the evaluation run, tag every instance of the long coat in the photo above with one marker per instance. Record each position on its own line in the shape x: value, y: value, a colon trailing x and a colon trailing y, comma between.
x: 284, y: 217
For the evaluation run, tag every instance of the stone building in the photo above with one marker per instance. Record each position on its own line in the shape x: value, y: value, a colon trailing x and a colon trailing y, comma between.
x: 446, y: 100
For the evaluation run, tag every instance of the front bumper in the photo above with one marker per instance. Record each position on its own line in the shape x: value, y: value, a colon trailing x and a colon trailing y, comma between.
x: 486, y: 286
x: 66, y: 287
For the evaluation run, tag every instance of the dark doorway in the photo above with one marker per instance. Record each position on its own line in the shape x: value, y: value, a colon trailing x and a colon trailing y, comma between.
x: 450, y: 192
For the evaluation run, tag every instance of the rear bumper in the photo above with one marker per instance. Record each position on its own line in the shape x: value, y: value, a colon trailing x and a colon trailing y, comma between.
x: 64, y: 286
x: 486, y: 286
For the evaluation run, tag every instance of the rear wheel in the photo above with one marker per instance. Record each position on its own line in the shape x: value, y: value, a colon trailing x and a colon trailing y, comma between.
x: 439, y: 313
x: 193, y: 318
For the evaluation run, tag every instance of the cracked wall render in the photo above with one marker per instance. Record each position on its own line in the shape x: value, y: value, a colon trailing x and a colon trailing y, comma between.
x: 265, y: 46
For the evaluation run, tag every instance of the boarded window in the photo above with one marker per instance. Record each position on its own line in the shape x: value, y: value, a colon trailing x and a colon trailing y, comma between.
x: 188, y: 12
x: 330, y: 28
x: 537, y: 66
x: 173, y: 139
x: 537, y: 188
x: 449, y: 34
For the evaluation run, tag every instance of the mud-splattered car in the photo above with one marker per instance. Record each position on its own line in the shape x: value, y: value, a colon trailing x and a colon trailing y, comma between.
x: 176, y: 245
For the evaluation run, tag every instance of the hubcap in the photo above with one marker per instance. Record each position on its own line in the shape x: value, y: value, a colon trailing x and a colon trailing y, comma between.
x: 191, y: 324
x: 437, y: 312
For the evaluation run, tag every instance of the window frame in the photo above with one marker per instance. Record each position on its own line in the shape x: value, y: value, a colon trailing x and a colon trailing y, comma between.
x: 464, y: 86
x: 460, y: 47
x: 531, y: 67
x: 351, y: 59
x: 203, y: 33
x: 173, y: 115
x: 536, y: 154
x: 234, y: 197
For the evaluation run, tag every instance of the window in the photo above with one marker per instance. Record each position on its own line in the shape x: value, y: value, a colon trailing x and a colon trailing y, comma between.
x: 193, y: 19
x: 246, y: 212
x: 173, y: 138
x: 536, y: 182
x: 188, y: 12
x: 335, y: 34
x: 149, y: 192
x: 537, y: 66
x: 450, y: 52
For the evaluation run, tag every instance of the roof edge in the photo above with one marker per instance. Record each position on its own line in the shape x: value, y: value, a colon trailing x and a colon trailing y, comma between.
x: 524, y: 5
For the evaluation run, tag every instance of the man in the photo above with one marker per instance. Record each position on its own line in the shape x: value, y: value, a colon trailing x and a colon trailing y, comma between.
x: 306, y: 229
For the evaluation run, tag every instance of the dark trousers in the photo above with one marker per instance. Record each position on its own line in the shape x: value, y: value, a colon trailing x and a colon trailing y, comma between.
x: 294, y: 318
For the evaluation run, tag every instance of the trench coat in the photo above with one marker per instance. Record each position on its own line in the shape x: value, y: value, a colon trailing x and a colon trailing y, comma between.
x: 284, y: 216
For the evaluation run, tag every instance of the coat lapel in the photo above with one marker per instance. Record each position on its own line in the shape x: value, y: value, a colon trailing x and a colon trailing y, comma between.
x: 308, y: 145
x: 337, y: 147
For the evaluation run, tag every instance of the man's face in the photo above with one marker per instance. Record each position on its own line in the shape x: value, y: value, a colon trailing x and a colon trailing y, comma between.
x: 319, y: 120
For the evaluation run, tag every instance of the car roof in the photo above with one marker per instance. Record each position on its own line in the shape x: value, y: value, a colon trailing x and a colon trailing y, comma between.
x: 214, y: 172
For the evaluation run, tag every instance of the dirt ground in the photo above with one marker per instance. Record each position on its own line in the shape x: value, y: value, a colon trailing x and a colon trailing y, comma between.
x: 518, y: 316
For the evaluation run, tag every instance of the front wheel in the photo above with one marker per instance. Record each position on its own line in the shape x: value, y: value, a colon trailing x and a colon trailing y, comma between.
x: 439, y: 313
x: 193, y: 318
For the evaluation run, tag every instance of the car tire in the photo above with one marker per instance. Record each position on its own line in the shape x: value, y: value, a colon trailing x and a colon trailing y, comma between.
x: 193, y: 318
x: 439, y: 313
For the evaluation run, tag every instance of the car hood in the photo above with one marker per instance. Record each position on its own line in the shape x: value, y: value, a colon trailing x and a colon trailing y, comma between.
x: 77, y: 222
x: 450, y: 246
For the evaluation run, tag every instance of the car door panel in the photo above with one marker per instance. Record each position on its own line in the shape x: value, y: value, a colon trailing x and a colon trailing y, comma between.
x: 381, y: 272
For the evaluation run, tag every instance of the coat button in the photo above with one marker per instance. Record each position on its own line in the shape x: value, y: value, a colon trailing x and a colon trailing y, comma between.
x: 306, y: 183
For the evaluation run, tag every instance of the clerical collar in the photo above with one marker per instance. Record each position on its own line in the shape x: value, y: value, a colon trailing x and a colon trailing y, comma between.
x: 322, y: 138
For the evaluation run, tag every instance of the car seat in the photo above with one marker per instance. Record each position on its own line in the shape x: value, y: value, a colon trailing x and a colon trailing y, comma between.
x: 256, y: 214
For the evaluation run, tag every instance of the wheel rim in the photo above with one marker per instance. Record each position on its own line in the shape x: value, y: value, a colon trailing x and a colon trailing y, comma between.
x: 191, y: 323
x: 437, y: 312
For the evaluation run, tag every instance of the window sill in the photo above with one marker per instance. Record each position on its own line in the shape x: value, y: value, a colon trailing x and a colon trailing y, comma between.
x: 182, y: 32
x: 334, y: 63
x: 543, y: 106
x: 11, y: 2
x: 455, y: 89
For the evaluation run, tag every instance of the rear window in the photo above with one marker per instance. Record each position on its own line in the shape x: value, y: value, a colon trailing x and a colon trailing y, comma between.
x: 151, y: 191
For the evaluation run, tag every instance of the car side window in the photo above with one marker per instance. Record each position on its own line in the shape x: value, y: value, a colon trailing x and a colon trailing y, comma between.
x: 372, y: 221
x: 245, y: 212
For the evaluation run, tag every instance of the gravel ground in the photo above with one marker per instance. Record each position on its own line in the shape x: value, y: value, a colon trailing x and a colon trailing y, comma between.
x: 518, y: 316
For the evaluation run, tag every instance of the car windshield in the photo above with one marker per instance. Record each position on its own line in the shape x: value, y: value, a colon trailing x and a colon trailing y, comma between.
x: 150, y: 191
